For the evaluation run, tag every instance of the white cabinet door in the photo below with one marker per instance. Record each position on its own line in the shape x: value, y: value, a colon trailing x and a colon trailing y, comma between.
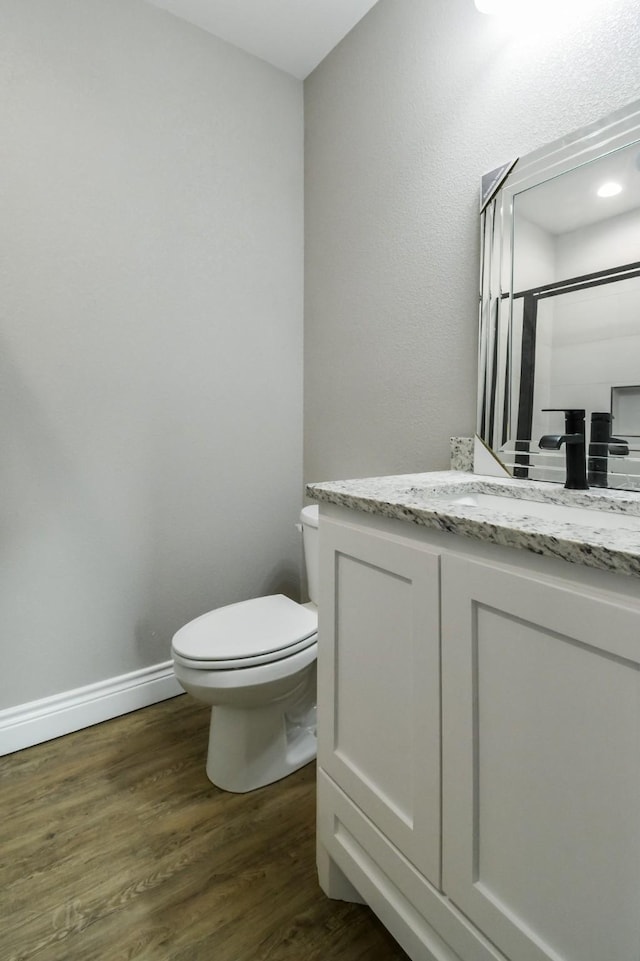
x: 378, y: 683
x: 541, y: 763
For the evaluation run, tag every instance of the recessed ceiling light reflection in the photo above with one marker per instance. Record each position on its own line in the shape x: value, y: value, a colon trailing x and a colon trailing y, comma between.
x: 610, y: 189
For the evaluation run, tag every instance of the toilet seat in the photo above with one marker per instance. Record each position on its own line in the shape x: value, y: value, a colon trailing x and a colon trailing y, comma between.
x: 246, y: 634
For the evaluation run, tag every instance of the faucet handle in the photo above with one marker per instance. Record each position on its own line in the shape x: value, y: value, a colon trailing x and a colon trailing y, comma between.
x: 573, y: 418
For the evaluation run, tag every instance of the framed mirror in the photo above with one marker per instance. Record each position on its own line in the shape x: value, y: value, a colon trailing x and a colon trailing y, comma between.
x: 560, y: 303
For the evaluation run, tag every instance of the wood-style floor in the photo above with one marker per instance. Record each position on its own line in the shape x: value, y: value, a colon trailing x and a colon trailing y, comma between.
x: 114, y: 846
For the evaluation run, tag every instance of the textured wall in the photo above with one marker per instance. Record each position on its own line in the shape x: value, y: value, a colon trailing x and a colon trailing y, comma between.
x: 150, y: 335
x: 402, y: 119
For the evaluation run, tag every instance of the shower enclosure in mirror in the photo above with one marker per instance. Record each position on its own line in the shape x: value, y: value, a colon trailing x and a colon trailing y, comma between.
x: 560, y: 304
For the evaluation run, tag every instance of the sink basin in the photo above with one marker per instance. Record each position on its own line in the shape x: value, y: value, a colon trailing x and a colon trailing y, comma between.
x: 512, y: 507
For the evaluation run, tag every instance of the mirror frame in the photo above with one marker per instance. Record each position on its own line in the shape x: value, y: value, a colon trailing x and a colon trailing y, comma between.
x: 496, y: 366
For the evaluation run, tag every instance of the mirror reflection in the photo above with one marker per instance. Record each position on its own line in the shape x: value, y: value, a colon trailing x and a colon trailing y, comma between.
x: 560, y: 318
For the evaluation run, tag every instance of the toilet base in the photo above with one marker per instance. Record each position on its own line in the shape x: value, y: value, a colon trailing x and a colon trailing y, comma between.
x: 252, y: 747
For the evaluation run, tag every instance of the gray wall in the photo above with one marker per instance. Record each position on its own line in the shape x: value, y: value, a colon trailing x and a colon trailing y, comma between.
x: 402, y: 119
x: 150, y: 336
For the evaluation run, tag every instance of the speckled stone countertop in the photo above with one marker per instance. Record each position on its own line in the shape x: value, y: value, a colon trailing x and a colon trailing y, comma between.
x: 437, y: 500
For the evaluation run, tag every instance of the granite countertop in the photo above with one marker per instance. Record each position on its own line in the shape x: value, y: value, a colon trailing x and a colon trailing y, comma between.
x: 436, y: 500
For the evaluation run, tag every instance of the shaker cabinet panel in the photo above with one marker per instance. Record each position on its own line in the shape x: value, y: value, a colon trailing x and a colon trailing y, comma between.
x: 541, y: 763
x: 378, y: 678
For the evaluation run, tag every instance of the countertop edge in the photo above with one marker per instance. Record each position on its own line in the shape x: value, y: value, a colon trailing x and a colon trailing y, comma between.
x: 395, y: 497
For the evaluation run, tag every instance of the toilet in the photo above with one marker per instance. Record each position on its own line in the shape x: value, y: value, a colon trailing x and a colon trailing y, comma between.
x: 255, y: 663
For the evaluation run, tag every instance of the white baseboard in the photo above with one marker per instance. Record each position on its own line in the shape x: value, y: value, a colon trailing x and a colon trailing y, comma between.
x: 40, y: 721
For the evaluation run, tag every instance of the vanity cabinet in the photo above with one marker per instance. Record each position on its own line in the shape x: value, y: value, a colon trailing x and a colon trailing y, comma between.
x: 479, y: 745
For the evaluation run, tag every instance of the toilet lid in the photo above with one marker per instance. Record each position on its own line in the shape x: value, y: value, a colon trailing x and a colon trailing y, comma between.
x: 263, y: 628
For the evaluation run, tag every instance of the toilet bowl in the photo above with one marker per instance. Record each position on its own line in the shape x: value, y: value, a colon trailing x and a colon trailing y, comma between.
x: 255, y: 663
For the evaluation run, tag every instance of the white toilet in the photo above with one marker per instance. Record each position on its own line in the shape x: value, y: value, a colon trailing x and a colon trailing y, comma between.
x: 255, y: 663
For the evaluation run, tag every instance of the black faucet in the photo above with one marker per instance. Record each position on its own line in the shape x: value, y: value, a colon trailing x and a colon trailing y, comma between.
x: 574, y: 442
x: 601, y: 444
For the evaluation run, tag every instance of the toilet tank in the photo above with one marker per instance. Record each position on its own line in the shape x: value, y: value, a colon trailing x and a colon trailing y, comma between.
x: 309, y: 521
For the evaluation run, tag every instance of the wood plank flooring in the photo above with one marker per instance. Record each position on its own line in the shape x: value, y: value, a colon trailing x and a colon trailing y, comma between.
x: 115, y: 846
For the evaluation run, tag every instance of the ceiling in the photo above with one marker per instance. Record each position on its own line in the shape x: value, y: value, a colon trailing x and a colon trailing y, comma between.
x: 293, y: 35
